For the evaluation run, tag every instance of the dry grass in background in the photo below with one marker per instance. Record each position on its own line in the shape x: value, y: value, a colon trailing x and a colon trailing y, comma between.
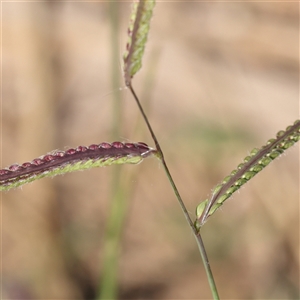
x: 226, y: 80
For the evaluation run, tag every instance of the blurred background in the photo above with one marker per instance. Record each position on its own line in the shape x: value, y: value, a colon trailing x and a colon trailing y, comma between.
x: 218, y: 79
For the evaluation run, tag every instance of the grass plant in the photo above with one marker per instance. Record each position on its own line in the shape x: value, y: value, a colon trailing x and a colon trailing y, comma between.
x: 106, y: 154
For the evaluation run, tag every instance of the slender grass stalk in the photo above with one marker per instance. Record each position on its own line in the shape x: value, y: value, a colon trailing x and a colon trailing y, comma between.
x: 196, y: 233
x: 112, y: 241
x: 118, y: 204
x: 138, y: 33
x: 160, y: 155
x: 207, y: 268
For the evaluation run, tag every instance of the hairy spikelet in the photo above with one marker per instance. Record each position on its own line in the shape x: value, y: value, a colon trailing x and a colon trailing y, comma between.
x: 137, y: 32
x: 74, y: 159
x: 252, y: 165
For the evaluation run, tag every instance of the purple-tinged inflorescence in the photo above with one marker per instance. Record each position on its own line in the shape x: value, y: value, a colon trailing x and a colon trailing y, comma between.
x: 37, y: 162
x: 81, y: 149
x: 105, y: 145
x: 93, y: 147
x: 58, y: 159
x: 70, y: 151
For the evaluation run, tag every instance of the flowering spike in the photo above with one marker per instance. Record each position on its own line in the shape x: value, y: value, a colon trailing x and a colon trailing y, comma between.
x: 137, y: 32
x: 253, y: 164
x: 81, y: 158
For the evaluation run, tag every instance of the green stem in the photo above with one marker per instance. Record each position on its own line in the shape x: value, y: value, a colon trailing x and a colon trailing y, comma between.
x: 112, y: 245
x: 206, y: 264
x: 146, y: 119
x: 115, y: 77
x: 180, y: 201
x: 108, y: 289
x: 161, y: 157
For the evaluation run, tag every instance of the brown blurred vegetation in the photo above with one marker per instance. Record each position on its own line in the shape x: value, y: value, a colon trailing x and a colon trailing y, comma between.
x: 225, y: 79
